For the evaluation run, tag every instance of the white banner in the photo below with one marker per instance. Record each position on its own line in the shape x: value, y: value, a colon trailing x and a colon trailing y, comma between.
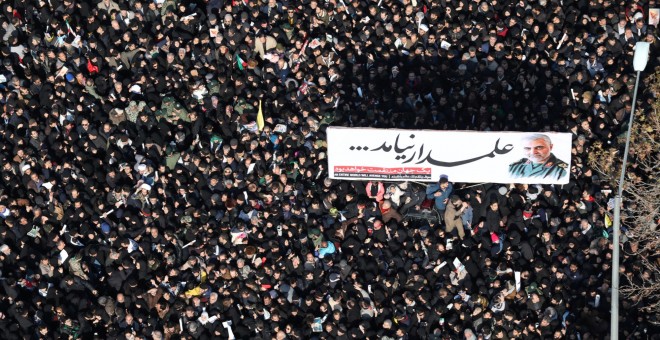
x: 462, y: 156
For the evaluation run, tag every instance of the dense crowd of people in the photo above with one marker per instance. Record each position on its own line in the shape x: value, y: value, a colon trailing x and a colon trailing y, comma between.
x: 140, y: 200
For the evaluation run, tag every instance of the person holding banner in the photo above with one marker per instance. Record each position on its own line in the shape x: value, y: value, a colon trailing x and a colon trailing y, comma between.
x: 539, y: 162
x: 440, y: 193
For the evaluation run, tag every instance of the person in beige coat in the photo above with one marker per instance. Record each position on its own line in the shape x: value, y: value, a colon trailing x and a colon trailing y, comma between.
x: 455, y: 209
x: 108, y: 6
x: 263, y: 43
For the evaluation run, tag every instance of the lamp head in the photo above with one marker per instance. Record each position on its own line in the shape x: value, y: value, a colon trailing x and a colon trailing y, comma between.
x: 641, y: 58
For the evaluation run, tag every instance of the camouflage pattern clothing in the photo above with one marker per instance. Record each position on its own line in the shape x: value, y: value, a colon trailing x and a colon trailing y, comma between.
x: 213, y: 87
x: 242, y: 105
x: 173, y: 110
x: 552, y: 168
x: 133, y: 110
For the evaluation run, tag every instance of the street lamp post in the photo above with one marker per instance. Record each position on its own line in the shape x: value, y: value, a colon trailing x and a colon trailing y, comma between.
x: 639, y: 64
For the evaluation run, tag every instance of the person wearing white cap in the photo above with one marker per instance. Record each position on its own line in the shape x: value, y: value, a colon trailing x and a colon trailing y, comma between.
x: 25, y: 168
x: 6, y: 254
x: 146, y: 174
x: 4, y: 211
x: 141, y: 196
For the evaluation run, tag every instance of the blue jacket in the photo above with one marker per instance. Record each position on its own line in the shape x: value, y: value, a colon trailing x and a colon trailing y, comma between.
x: 440, y: 200
x: 330, y: 249
x: 467, y: 216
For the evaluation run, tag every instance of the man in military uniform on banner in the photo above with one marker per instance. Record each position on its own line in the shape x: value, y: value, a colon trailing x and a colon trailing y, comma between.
x: 540, y: 162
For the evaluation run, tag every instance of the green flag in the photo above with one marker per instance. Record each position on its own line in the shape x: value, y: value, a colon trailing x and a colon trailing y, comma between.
x: 240, y: 63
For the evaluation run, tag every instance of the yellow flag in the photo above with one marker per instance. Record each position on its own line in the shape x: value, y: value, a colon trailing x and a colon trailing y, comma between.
x: 260, y: 118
